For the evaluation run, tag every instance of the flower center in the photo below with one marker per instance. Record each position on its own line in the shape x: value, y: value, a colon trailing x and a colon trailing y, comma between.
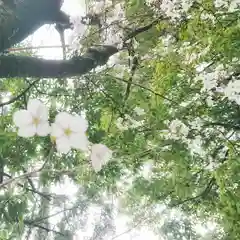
x: 53, y: 139
x: 35, y: 121
x: 67, y: 131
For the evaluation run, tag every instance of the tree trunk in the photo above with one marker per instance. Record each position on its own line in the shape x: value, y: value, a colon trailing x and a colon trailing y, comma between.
x: 20, y: 18
x: 24, y: 66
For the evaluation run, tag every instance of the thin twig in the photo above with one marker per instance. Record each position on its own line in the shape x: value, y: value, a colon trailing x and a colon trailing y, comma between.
x: 11, y: 180
x: 14, y: 99
x: 32, y: 224
x: 202, y: 194
x: 47, y: 196
x: 145, y: 88
x: 28, y: 174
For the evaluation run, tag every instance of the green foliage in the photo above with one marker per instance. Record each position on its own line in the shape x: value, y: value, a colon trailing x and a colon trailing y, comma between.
x: 197, y: 182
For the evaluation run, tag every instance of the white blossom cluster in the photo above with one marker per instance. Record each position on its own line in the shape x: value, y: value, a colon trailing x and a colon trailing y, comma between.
x: 173, y: 9
x: 232, y: 91
x: 79, y: 30
x: 68, y: 131
x: 231, y: 6
x: 213, y: 80
x: 177, y: 130
x: 128, y: 122
x: 112, y: 33
x: 192, y: 52
x: 99, y: 6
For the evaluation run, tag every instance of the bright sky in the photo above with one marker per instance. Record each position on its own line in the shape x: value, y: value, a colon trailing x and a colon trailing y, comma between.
x: 46, y: 36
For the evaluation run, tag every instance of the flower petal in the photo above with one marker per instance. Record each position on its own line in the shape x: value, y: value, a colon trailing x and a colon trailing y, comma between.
x: 78, y: 124
x: 63, y: 119
x: 27, y: 131
x: 37, y: 109
x: 43, y: 129
x: 56, y: 130
x: 79, y: 141
x: 63, y: 145
x: 97, y: 165
x: 22, y: 118
x: 100, y: 155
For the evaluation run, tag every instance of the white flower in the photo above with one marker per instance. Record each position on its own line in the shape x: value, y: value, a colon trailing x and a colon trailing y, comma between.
x: 178, y: 128
x: 77, y: 33
x: 196, y: 124
x: 195, y: 146
x: 186, y: 4
x: 200, y: 67
x: 232, y: 87
x: 209, y: 81
x: 234, y: 5
x: 220, y: 3
x: 98, y: 7
x: 69, y: 132
x: 100, y: 155
x: 209, y: 101
x: 32, y: 121
x: 121, y: 124
x: 232, y: 91
x: 139, y: 111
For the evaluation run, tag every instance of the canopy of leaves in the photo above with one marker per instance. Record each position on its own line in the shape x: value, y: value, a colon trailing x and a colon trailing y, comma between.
x: 176, y: 164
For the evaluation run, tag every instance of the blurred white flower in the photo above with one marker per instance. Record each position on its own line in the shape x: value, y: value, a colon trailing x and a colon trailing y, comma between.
x: 232, y: 91
x: 135, y: 124
x: 178, y: 129
x: 121, y: 124
x: 100, y: 155
x: 186, y: 4
x: 113, y: 34
x: 128, y: 122
x: 33, y: 120
x: 209, y: 81
x: 77, y: 33
x: 69, y: 132
x: 196, y: 124
x: 209, y: 101
x: 139, y: 111
x: 195, y: 146
x: 234, y: 5
x: 147, y: 169
x: 220, y: 3
x: 169, y: 8
x: 233, y: 87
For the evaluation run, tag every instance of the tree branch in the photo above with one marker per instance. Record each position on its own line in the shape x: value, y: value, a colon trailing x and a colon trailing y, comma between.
x: 28, y: 16
x: 47, y: 196
x: 23, y: 18
x: 24, y: 66
x: 203, y: 194
x: 32, y: 224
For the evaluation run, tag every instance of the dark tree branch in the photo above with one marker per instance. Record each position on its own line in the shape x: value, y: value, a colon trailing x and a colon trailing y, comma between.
x: 24, y: 66
x: 141, y: 29
x: 32, y: 224
x: 47, y: 196
x: 203, y: 194
x: 24, y: 17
